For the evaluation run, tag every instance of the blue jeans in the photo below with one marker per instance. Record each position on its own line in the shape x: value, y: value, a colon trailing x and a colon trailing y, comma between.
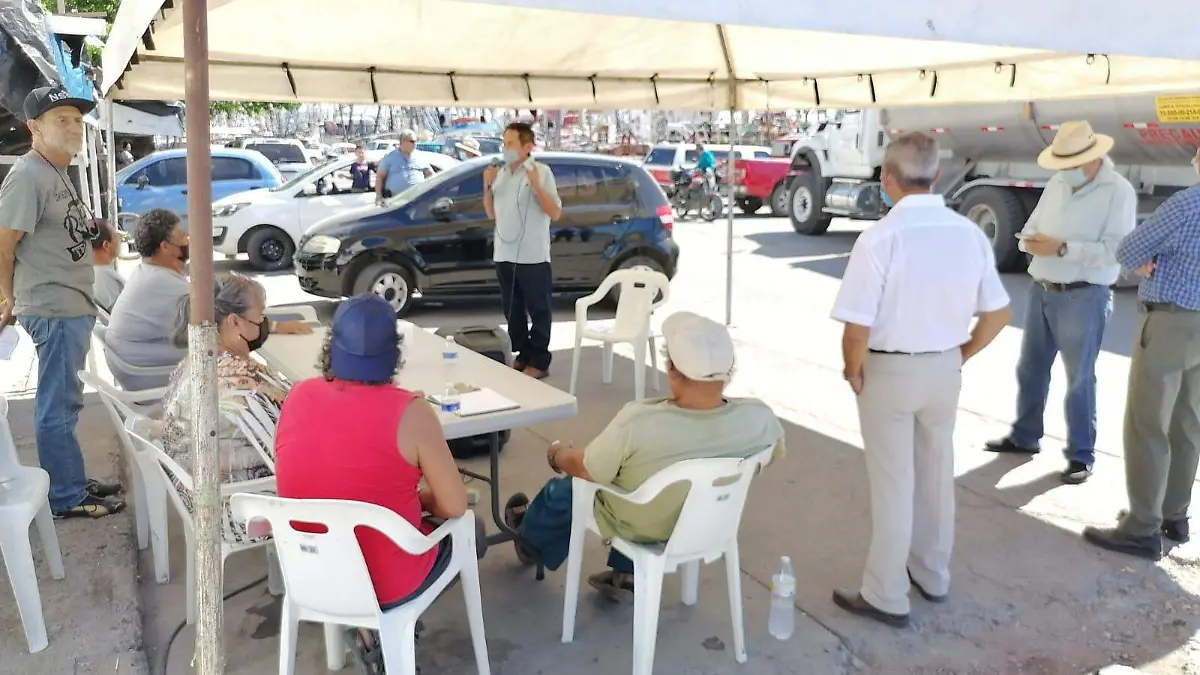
x: 62, y: 347
x: 547, y: 527
x: 1071, y: 322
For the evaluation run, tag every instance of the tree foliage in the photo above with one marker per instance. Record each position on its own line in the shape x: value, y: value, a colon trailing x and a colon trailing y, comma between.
x: 248, y: 108
x: 108, y: 7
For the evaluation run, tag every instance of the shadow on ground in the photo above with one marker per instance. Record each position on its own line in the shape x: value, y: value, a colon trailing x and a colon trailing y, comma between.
x: 1028, y: 596
x: 829, y: 253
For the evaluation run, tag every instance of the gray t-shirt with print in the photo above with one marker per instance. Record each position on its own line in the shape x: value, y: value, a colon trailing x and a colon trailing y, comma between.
x: 53, y: 273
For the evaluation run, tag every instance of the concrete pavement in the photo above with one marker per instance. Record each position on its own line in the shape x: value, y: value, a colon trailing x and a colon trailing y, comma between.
x: 1028, y: 596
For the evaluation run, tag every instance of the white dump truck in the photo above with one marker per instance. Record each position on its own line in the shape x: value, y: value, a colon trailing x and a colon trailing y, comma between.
x: 989, y: 168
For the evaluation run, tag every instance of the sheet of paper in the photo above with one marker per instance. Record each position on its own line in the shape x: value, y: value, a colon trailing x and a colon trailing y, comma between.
x: 9, y: 337
x: 481, y: 402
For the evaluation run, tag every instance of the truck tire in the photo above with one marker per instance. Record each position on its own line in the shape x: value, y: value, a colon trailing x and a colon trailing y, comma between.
x: 750, y: 205
x: 781, y: 200
x: 1000, y: 214
x: 807, y: 197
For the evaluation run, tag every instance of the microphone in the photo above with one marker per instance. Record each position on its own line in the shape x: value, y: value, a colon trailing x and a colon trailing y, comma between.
x: 497, y: 162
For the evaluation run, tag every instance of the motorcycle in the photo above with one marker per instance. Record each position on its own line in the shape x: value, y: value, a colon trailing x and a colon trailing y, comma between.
x: 695, y: 190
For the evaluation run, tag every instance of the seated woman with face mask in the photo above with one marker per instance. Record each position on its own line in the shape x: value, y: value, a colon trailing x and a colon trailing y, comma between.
x: 238, y: 305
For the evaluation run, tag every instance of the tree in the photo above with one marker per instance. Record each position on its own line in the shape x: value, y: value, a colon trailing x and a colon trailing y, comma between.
x: 248, y: 108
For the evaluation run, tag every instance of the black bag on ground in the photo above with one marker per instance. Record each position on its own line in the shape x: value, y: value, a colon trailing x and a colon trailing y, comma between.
x: 492, y: 343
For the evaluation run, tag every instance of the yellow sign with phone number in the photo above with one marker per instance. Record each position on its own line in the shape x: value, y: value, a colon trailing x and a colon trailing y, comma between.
x: 1178, y: 108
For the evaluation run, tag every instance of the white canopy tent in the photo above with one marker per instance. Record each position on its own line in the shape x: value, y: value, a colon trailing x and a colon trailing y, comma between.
x: 133, y: 122
x: 666, y: 54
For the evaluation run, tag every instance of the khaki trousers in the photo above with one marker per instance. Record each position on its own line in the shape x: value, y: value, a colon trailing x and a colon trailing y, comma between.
x: 907, y: 411
x: 1162, y: 419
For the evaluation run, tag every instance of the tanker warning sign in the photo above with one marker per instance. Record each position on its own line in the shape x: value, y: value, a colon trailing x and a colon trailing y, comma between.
x: 1178, y: 108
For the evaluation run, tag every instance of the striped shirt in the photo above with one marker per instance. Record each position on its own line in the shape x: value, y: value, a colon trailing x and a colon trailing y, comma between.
x: 1170, y: 238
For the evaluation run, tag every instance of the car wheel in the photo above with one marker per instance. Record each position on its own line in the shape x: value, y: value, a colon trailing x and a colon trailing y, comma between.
x: 634, y: 261
x: 270, y: 249
x: 389, y: 281
x: 750, y: 205
x: 781, y: 200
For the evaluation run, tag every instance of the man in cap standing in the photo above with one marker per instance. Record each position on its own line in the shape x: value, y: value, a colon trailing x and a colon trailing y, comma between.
x: 696, y: 422
x: 1084, y: 212
x: 913, y: 284
x: 46, y: 273
x: 1162, y: 406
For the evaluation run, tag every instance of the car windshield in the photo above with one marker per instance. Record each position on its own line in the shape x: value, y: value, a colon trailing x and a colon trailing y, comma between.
x: 326, y: 166
x: 661, y: 156
x: 415, y: 191
x: 280, y: 153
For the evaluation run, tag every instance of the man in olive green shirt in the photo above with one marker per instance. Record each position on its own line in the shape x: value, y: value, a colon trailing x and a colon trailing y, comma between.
x: 696, y: 422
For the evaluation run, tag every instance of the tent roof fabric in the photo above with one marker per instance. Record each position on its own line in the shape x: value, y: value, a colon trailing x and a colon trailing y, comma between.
x: 644, y: 54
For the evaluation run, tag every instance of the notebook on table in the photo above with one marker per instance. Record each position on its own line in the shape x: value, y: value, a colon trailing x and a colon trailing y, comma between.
x: 480, y: 402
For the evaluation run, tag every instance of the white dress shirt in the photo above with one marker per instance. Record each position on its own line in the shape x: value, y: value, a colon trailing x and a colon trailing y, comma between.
x: 917, y: 278
x: 1091, y: 220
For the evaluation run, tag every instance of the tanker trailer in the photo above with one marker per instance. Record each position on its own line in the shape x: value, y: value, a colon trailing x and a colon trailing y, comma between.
x: 989, y: 170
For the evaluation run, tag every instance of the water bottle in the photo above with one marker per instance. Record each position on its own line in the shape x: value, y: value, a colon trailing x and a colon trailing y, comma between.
x: 783, y: 599
x: 450, y: 400
x: 450, y: 351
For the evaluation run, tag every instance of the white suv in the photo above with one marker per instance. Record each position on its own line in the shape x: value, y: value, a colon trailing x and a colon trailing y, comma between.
x: 287, y: 154
x: 266, y: 224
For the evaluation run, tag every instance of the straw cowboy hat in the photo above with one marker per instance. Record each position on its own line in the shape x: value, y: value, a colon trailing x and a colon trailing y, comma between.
x: 1074, y: 145
x: 469, y: 145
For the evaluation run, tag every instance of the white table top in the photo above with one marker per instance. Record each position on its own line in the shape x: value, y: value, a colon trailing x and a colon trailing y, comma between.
x: 296, y: 357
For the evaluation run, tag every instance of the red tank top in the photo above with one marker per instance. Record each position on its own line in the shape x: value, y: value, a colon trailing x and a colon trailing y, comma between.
x: 337, y: 440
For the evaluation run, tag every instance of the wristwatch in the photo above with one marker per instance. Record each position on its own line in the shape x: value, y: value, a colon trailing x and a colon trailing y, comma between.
x: 1062, y: 249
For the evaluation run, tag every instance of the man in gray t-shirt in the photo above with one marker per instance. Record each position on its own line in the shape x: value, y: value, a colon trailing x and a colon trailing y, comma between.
x: 46, y: 277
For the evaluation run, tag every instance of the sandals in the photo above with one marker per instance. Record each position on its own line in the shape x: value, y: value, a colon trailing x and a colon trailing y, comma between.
x: 514, y: 515
x: 370, y: 656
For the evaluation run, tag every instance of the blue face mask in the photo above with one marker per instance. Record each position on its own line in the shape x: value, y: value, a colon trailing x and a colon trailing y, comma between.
x: 883, y: 195
x: 511, y: 156
x: 1075, y: 178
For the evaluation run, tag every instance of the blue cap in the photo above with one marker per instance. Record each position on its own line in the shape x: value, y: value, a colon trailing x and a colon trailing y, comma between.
x: 365, y: 346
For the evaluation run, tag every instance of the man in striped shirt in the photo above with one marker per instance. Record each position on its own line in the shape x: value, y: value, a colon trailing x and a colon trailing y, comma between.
x: 1162, y: 408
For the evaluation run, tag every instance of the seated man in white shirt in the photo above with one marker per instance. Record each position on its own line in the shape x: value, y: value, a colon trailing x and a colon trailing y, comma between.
x: 109, y: 282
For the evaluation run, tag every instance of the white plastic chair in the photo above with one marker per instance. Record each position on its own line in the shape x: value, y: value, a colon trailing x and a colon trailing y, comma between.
x: 707, y: 529
x: 100, y: 332
x: 638, y: 288
x: 150, y: 497
x: 23, y: 499
x: 346, y: 597
x: 244, y: 410
x: 233, y: 538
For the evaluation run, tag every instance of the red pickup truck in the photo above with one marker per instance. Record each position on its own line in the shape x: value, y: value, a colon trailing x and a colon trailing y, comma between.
x: 761, y: 181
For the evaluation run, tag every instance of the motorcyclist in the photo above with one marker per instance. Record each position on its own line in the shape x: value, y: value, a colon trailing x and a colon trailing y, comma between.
x: 706, y: 164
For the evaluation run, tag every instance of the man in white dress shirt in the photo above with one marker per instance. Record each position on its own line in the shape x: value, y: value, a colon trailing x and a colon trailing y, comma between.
x: 913, y: 284
x: 1084, y: 212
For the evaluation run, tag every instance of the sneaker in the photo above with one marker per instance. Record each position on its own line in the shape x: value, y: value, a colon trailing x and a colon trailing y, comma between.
x: 97, y: 489
x: 1006, y: 446
x: 93, y: 507
x: 613, y: 585
x: 1075, y: 473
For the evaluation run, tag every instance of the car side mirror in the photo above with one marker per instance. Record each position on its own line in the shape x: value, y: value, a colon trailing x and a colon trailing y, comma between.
x: 442, y: 208
x: 142, y: 182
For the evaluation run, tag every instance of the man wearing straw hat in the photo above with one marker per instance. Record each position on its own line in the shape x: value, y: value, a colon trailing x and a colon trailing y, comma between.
x: 1085, y: 210
x: 1162, y: 406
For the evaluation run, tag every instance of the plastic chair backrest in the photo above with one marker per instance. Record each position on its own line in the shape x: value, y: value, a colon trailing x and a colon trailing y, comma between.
x: 8, y: 447
x: 639, y: 286
x: 307, y: 558
x: 120, y: 405
x: 712, y: 512
x: 139, y: 430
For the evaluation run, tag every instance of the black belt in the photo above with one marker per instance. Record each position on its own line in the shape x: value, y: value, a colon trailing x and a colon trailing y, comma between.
x: 882, y: 351
x: 1059, y: 287
x: 1165, y: 307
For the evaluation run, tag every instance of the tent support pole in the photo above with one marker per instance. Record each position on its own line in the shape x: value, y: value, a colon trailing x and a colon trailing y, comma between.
x: 110, y: 162
x: 202, y: 348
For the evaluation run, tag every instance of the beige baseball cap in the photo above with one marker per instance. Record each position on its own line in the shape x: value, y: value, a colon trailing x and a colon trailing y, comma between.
x: 699, y: 347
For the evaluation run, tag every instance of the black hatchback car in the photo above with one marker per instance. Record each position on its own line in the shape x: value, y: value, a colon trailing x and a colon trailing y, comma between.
x: 434, y: 240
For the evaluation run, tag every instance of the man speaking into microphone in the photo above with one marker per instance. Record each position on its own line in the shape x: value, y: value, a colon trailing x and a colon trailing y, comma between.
x: 521, y: 196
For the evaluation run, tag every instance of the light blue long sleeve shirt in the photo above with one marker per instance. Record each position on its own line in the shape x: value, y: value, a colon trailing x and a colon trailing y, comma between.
x: 1091, y: 220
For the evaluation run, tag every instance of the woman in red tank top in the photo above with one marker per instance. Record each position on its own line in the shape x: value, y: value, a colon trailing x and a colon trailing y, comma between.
x: 354, y: 435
